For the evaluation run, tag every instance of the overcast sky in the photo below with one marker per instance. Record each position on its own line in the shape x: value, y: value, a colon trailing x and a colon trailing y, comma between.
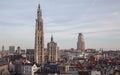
x: 98, y: 20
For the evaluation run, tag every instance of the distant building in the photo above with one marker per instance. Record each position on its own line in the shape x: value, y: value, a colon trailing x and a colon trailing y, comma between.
x: 63, y: 68
x: 11, y: 49
x: 52, y: 51
x: 0, y: 54
x: 3, y: 53
x: 30, y: 55
x: 3, y: 48
x: 18, y: 50
x: 84, y: 73
x: 11, y: 66
x: 29, y: 68
x: 46, y: 55
x: 18, y: 67
x: 95, y: 73
x: 23, y: 52
x: 39, y: 38
x: 80, y: 43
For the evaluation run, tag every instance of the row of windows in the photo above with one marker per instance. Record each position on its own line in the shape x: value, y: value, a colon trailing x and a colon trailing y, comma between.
x: 26, y: 71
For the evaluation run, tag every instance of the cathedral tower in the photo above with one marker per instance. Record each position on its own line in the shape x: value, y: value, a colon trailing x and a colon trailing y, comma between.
x: 39, y: 38
x: 53, y: 51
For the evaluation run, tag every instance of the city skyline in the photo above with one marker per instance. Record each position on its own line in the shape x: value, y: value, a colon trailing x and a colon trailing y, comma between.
x: 98, y: 20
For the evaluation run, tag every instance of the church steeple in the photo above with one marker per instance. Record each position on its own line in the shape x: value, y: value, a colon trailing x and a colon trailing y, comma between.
x: 51, y: 38
x: 39, y: 13
x: 39, y: 38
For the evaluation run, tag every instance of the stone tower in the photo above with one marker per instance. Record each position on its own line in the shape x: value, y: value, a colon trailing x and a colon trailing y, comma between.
x: 39, y: 38
x: 52, y: 51
x: 80, y: 43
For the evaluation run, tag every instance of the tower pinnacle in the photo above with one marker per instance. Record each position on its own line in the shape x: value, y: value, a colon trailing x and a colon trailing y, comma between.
x: 38, y: 5
x: 51, y: 38
x: 39, y: 13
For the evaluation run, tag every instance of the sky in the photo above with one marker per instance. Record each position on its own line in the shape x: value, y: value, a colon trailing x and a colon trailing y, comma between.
x: 98, y: 20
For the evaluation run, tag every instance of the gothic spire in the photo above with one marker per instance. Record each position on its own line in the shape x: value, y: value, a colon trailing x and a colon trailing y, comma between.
x: 39, y: 38
x: 39, y: 13
x: 38, y: 5
x: 51, y: 38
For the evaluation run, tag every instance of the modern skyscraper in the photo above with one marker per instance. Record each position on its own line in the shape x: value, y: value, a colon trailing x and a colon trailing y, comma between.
x: 80, y: 43
x: 39, y: 38
x: 52, y: 51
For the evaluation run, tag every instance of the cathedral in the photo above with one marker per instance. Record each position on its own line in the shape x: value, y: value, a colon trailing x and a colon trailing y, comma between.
x: 39, y: 38
x: 52, y: 49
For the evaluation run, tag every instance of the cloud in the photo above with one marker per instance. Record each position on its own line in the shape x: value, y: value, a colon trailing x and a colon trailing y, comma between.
x: 83, y: 26
x: 6, y: 23
x: 64, y: 19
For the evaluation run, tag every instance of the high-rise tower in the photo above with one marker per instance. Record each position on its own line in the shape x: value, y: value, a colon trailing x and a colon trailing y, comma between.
x: 80, y: 43
x: 39, y: 38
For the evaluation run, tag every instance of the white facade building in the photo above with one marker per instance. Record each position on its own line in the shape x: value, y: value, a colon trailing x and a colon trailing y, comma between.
x: 95, y: 73
x: 29, y: 69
